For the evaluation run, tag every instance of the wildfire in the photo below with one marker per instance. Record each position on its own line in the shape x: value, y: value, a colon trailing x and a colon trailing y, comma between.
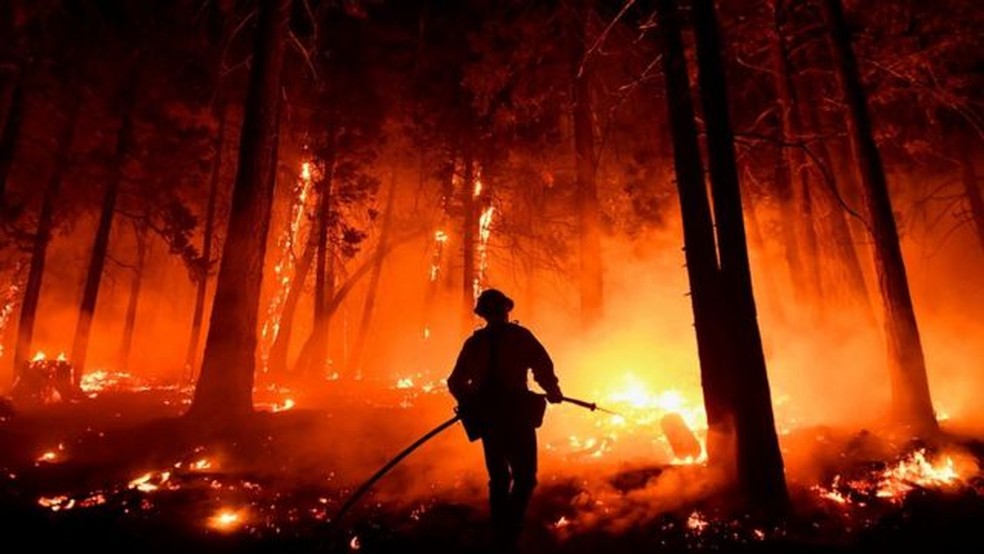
x: 227, y: 520
x: 150, y: 481
x: 287, y: 405
x: 285, y: 267
x: 440, y: 239
x: 917, y: 471
x: 484, y: 233
x: 7, y: 303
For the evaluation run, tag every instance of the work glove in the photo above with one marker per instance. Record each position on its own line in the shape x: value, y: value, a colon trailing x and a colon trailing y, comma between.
x: 554, y: 396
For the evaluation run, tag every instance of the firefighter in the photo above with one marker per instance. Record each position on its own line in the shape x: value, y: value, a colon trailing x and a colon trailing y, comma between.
x: 489, y: 381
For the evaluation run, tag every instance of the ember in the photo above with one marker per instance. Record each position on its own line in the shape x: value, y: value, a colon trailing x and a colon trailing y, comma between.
x: 227, y: 520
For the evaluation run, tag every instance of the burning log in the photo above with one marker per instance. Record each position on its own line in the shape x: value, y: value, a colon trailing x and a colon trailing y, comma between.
x: 682, y: 440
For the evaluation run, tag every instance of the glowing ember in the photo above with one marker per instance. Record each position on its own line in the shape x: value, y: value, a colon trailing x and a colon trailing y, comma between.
x: 201, y: 465
x: 354, y: 544
x: 51, y: 455
x: 227, y: 520
x: 150, y: 481
x: 696, y: 522
x: 562, y: 522
x: 56, y: 503
x: 287, y: 405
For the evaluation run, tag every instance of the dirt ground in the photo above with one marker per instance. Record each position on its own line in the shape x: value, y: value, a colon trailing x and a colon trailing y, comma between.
x: 123, y: 471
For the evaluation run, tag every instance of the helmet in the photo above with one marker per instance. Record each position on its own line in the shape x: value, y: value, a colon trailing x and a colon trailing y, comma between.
x: 493, y: 301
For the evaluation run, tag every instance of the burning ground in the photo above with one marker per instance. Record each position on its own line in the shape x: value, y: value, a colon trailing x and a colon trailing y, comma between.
x: 121, y: 468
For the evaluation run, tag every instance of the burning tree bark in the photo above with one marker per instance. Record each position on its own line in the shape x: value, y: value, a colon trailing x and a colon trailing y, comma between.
x: 100, y: 245
x: 225, y: 388
x: 733, y: 376
x: 589, y: 224
x: 911, y: 402
x: 42, y: 236
x: 277, y: 361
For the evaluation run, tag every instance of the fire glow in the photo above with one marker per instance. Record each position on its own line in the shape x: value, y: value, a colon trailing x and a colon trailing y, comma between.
x: 227, y: 520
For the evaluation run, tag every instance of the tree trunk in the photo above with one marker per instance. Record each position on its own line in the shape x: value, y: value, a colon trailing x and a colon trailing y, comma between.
x: 698, y: 235
x: 323, y: 276
x: 225, y: 388
x: 469, y: 226
x: 836, y: 222
x: 100, y: 245
x: 759, y: 460
x: 589, y: 222
x: 972, y: 189
x: 911, y: 402
x: 377, y: 269
x: 8, y: 138
x: 136, y: 281
x: 791, y: 175
x: 32, y: 290
x: 277, y: 360
x: 215, y: 179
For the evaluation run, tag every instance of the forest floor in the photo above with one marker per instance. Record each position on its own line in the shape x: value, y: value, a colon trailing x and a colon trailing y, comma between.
x: 123, y: 471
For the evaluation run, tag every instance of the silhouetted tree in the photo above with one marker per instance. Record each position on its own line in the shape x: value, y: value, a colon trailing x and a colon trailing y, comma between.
x: 225, y: 387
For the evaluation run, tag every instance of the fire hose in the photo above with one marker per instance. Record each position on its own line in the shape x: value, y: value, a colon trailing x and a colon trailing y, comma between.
x: 364, y: 488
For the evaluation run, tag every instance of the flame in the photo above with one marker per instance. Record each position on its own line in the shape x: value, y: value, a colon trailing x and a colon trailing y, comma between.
x: 39, y: 356
x: 917, y: 471
x: 56, y: 503
x: 227, y: 519
x: 287, y: 405
x: 478, y: 187
x: 286, y: 262
x: 484, y: 233
x: 561, y: 523
x: 144, y: 482
x: 201, y: 465
x: 405, y: 383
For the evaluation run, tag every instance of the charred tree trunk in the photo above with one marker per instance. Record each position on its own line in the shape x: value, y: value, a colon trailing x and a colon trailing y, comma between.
x: 215, y: 179
x: 8, y: 138
x: 589, y: 221
x: 136, y: 282
x: 377, y: 269
x: 759, y: 460
x: 323, y: 277
x: 100, y: 245
x: 840, y: 232
x: 911, y: 402
x: 225, y: 388
x: 791, y: 177
x: 32, y: 289
x: 972, y: 190
x: 469, y: 226
x: 277, y: 361
x: 698, y: 234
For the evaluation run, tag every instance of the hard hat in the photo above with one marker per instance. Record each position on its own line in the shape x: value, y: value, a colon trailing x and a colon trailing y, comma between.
x: 493, y: 301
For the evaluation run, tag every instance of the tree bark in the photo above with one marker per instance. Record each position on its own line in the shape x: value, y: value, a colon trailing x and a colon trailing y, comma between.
x: 840, y: 232
x: 759, y: 460
x: 224, y: 391
x: 100, y: 245
x: 32, y: 289
x: 698, y: 233
x: 136, y: 282
x: 589, y: 221
x: 324, y: 275
x: 911, y: 401
x: 365, y: 322
x: 215, y: 179
x: 469, y: 226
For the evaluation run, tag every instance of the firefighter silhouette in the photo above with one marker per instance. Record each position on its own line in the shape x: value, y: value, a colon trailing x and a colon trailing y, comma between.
x: 489, y: 381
